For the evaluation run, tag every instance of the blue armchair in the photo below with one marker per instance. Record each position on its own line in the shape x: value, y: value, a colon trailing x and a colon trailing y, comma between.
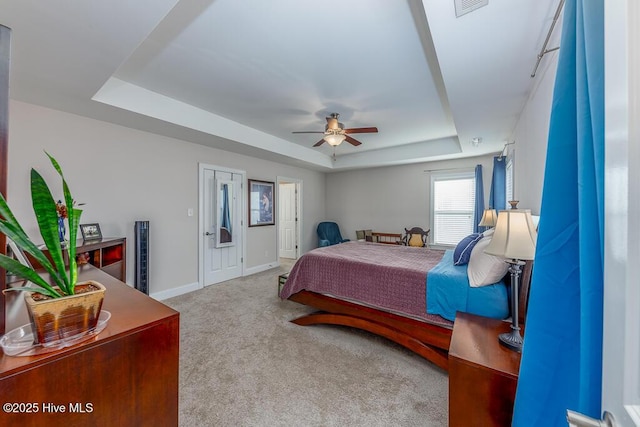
x: 329, y: 234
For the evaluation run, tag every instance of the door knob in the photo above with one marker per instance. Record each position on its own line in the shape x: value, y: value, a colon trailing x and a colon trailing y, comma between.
x: 209, y: 234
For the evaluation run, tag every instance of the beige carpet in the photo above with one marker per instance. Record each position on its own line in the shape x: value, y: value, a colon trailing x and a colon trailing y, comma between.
x: 242, y: 363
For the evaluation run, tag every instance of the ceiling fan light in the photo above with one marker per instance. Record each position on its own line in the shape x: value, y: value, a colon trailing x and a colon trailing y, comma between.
x: 334, y: 139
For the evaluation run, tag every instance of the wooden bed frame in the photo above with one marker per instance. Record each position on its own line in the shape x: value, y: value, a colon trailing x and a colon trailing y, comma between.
x: 428, y: 340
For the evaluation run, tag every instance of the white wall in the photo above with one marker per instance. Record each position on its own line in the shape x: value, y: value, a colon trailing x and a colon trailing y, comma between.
x: 388, y: 199
x: 531, y: 134
x: 124, y: 175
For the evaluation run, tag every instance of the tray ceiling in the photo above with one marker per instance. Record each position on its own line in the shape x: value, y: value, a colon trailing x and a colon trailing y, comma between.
x: 242, y: 75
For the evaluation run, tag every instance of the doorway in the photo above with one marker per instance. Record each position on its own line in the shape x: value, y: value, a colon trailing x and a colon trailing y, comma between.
x: 289, y: 214
x: 221, y: 237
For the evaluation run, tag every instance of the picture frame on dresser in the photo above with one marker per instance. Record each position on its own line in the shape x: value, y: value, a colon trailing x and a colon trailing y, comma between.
x: 91, y: 231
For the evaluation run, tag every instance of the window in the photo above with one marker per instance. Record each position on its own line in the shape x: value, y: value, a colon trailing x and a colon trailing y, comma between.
x: 508, y: 181
x: 452, y: 207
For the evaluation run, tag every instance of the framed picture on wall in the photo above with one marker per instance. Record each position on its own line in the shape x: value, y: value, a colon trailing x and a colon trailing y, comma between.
x: 261, y: 200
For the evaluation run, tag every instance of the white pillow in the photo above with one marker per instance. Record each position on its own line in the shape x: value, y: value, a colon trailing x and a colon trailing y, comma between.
x: 485, y: 269
x: 489, y: 232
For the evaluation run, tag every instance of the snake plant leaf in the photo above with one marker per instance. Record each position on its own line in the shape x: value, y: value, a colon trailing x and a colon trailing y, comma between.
x: 25, y: 272
x: 73, y: 217
x: 44, y: 207
x: 55, y: 164
x: 74, y: 220
x: 21, y: 239
x: 6, y: 213
x: 74, y: 223
x: 32, y: 289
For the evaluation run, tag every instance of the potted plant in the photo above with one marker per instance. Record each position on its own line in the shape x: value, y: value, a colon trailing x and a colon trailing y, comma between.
x: 62, y: 308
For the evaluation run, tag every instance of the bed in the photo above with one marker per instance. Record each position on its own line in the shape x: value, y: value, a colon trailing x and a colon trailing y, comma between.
x: 406, y: 294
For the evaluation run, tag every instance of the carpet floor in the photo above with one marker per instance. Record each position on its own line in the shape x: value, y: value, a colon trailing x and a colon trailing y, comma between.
x: 242, y: 363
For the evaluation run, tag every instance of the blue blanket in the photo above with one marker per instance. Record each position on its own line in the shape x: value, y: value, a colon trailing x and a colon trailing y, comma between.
x: 448, y: 291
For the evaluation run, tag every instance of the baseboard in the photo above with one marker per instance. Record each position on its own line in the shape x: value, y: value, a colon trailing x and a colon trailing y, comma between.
x: 185, y: 289
x: 174, y: 292
x: 261, y: 268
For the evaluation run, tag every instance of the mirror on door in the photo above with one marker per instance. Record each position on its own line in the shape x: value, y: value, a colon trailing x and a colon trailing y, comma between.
x: 225, y: 212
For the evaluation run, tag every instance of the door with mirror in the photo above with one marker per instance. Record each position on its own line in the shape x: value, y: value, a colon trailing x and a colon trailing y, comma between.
x: 222, y: 224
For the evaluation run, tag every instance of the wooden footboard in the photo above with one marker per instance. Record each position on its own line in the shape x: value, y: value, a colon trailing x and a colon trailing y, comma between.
x: 425, y: 339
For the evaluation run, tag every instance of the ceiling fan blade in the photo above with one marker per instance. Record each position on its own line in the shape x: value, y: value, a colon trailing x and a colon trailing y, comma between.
x: 319, y: 143
x: 309, y: 131
x: 362, y: 130
x: 352, y: 141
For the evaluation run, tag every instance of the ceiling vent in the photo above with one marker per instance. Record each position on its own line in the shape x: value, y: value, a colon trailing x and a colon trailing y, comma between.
x: 466, y: 6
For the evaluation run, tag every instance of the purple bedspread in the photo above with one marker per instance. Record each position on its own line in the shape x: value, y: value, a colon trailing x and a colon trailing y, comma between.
x: 391, y: 277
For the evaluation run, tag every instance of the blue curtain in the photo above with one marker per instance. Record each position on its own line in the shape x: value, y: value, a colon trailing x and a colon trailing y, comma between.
x: 562, y: 356
x: 479, y: 206
x: 497, y: 196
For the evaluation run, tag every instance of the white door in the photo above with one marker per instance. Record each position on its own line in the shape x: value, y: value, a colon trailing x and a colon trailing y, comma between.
x: 222, y: 228
x: 287, y: 210
x: 621, y: 343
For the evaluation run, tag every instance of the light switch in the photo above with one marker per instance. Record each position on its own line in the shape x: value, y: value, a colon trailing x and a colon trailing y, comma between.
x: 190, y: 212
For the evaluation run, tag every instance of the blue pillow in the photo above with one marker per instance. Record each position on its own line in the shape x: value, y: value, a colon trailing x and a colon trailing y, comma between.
x: 462, y: 253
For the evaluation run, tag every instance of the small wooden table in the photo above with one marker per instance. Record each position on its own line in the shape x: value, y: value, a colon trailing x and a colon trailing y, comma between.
x: 388, y: 238
x: 282, y: 279
x: 125, y: 376
x: 483, y: 374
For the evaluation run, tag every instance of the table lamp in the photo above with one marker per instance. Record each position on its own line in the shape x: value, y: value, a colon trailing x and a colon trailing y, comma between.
x: 489, y: 218
x: 515, y: 240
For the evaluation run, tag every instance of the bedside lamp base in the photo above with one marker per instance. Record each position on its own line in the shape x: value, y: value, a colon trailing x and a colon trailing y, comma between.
x: 512, y: 340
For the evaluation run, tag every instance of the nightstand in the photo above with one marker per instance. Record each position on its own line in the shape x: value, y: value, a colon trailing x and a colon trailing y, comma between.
x: 482, y: 373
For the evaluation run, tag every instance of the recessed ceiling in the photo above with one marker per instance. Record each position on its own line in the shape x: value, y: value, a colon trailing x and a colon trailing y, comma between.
x: 242, y: 75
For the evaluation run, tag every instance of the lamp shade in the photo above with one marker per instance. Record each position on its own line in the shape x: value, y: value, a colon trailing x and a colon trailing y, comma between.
x: 489, y: 218
x: 515, y: 235
x: 334, y: 139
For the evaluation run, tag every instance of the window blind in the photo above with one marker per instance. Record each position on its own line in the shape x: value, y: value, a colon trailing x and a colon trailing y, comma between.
x: 509, y: 181
x: 452, y: 207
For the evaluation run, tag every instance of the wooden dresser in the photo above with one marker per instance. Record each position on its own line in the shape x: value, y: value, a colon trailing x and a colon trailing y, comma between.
x: 482, y: 373
x: 125, y: 376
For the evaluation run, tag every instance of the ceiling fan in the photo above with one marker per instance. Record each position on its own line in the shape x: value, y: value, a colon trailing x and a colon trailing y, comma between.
x: 335, y: 133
